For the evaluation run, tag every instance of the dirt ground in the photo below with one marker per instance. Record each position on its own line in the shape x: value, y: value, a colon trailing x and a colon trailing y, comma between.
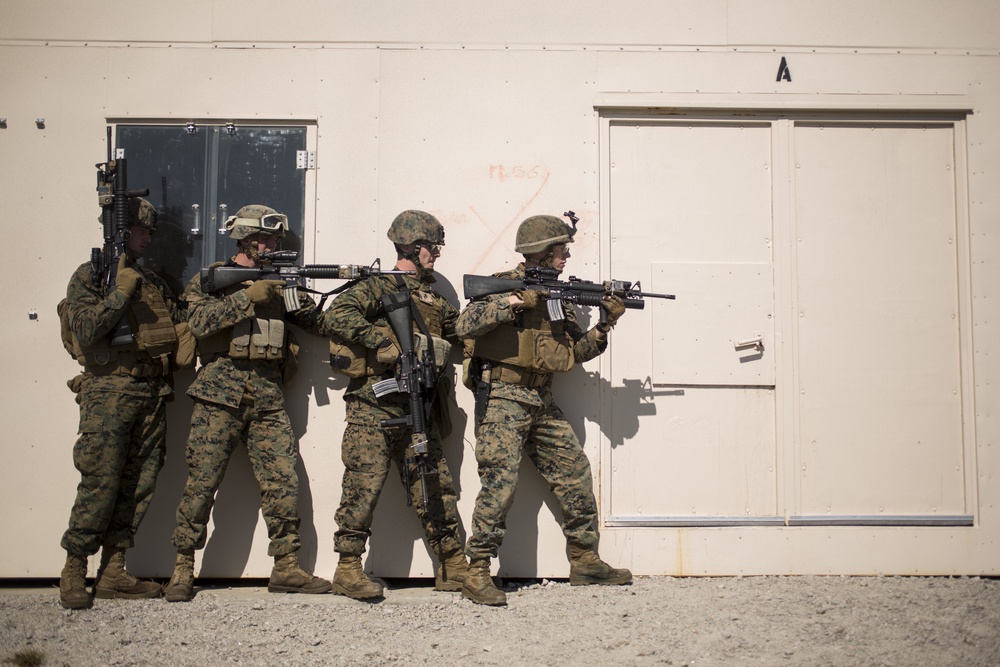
x: 656, y: 621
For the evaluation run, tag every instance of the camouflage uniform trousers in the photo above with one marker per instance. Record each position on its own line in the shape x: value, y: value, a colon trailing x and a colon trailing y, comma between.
x: 119, y: 453
x: 510, y: 430
x: 216, y: 430
x: 367, y: 451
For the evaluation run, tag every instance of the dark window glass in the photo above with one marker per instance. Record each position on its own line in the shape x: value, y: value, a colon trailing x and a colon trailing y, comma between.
x: 198, y: 180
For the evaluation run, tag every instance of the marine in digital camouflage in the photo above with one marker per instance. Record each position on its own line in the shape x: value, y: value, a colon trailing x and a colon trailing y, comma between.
x: 122, y: 432
x: 367, y: 450
x: 240, y: 400
x: 523, y: 420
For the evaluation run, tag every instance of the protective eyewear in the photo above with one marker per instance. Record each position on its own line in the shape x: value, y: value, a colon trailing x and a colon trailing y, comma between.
x: 269, y: 223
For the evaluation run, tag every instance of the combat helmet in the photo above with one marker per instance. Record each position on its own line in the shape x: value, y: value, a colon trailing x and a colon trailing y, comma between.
x: 256, y: 219
x: 142, y: 213
x: 412, y: 226
x: 540, y: 231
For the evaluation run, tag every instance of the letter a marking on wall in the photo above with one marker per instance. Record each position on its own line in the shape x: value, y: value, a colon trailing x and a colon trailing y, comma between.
x: 783, y: 71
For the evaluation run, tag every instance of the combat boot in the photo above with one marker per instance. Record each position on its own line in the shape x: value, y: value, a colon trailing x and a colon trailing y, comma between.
x: 350, y: 580
x: 288, y: 577
x: 181, y: 586
x: 73, y: 583
x: 114, y: 582
x: 479, y: 587
x: 451, y: 571
x: 586, y: 567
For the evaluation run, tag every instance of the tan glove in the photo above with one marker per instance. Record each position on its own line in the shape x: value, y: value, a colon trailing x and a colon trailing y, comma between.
x: 614, y: 308
x: 263, y: 291
x: 127, y: 279
x: 529, y: 298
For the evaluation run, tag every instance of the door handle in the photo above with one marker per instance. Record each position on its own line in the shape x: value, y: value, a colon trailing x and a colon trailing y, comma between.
x: 757, y: 343
x: 223, y: 209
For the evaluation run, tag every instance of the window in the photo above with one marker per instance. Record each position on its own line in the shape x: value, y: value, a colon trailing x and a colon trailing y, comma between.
x: 198, y: 178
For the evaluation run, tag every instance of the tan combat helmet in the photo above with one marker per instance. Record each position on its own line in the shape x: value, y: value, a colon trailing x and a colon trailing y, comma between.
x: 142, y: 213
x: 541, y: 231
x: 412, y: 226
x: 256, y: 219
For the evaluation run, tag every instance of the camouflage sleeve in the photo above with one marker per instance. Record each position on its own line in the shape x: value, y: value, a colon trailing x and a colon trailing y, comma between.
x: 91, y: 314
x: 308, y: 316
x: 209, y: 314
x: 586, y: 344
x: 449, y: 316
x: 484, y: 315
x: 357, y: 315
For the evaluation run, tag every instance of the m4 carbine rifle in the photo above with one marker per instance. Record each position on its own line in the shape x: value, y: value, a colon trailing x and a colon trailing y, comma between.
x: 282, y: 266
x: 417, y: 377
x: 575, y: 290
x: 113, y: 195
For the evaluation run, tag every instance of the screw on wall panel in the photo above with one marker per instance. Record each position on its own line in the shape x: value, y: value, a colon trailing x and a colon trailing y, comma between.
x: 3, y: 123
x: 40, y: 123
x: 32, y: 315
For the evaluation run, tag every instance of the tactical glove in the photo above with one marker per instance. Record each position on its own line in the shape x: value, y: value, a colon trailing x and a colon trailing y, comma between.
x: 263, y: 290
x: 127, y: 279
x: 530, y: 297
x: 614, y: 308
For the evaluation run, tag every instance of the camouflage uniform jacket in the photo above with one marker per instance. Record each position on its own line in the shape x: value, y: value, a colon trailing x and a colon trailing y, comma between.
x: 357, y: 316
x: 224, y: 380
x: 93, y: 314
x: 484, y: 315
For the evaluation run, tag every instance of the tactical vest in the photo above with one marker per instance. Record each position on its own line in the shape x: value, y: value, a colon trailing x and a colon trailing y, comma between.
x: 154, y: 340
x: 355, y: 360
x: 531, y: 342
x: 262, y: 337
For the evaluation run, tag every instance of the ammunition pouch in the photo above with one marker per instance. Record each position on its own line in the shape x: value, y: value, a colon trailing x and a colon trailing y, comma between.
x: 258, y: 339
x: 187, y: 346
x: 354, y: 359
x: 442, y: 350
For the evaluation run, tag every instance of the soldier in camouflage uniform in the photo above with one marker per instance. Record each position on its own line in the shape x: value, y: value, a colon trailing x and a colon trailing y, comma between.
x: 515, y: 348
x: 122, y: 394
x: 357, y: 318
x: 245, y: 353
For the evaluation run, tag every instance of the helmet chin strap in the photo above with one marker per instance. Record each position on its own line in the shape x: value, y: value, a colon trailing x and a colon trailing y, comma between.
x: 547, y: 262
x: 423, y: 274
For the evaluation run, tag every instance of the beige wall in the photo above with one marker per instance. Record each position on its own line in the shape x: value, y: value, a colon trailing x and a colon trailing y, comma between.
x: 423, y: 108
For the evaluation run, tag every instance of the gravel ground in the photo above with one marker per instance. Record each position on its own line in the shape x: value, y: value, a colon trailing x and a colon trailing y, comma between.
x: 656, y: 621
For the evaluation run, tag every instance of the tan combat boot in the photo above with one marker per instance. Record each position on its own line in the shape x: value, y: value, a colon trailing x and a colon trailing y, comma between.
x: 114, y: 582
x: 586, y: 567
x: 73, y: 583
x: 350, y: 580
x: 181, y: 586
x: 288, y: 577
x: 451, y: 571
x: 479, y: 587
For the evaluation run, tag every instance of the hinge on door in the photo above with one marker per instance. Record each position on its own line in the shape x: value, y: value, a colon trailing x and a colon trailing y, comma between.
x: 305, y: 159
